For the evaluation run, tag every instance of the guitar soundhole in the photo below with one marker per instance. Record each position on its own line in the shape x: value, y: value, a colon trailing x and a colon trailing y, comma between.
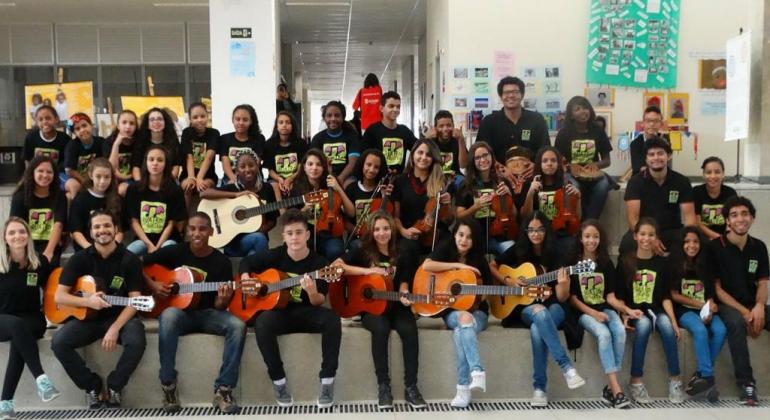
x: 240, y: 215
x: 456, y: 289
x: 175, y: 289
x: 368, y: 293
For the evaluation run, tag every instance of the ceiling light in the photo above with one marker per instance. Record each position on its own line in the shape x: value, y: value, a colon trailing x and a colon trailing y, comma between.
x: 180, y: 4
x: 315, y: 4
x: 8, y: 4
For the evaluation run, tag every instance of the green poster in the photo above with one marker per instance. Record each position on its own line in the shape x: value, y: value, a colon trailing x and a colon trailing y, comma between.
x: 633, y: 43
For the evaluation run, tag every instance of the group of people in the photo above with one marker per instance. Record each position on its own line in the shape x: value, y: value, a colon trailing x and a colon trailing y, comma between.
x: 405, y: 203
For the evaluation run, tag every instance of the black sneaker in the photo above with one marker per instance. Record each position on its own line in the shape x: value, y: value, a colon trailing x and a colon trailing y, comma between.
x: 749, y: 394
x: 170, y: 398
x: 620, y: 401
x: 607, y: 396
x: 413, y: 397
x: 113, y: 399
x: 94, y: 399
x: 712, y: 395
x: 698, y: 384
x: 384, y: 396
x: 224, y: 401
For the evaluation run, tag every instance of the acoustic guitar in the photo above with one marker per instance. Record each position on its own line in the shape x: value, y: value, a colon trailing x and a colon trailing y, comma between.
x: 232, y: 216
x: 84, y: 287
x: 270, y: 290
x: 503, y: 304
x: 432, y: 284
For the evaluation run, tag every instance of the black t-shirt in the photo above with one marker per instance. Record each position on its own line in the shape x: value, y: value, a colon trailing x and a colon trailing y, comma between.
x: 279, y: 259
x: 80, y: 211
x: 173, y: 152
x: 117, y: 275
x: 125, y: 151
x: 582, y: 148
x: 710, y: 209
x: 450, y: 155
x: 636, y: 149
x: 338, y: 149
x: 41, y: 215
x: 360, y: 198
x: 34, y: 145
x: 412, y: 203
x: 689, y: 284
x: 20, y: 288
x: 592, y: 289
x: 77, y: 156
x: 661, y: 202
x: 501, y: 133
x: 649, y: 284
x: 155, y: 209
x: 738, y: 271
x: 545, y: 200
x: 230, y: 146
x: 357, y: 257
x: 284, y: 159
x: 445, y: 251
x: 196, y: 145
x: 265, y: 194
x: 394, y: 143
x: 214, y: 267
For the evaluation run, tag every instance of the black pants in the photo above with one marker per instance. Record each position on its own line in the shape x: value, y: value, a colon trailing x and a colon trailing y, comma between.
x: 736, y: 340
x: 401, y: 319
x: 297, y: 318
x: 671, y: 238
x: 410, y: 255
x: 75, y: 334
x: 22, y: 330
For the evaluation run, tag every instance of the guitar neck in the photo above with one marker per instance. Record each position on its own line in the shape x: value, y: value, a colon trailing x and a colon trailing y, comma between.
x: 548, y: 277
x: 396, y: 296
x: 492, y: 290
x: 117, y: 300
x: 289, y: 282
x: 203, y: 287
x: 270, y: 207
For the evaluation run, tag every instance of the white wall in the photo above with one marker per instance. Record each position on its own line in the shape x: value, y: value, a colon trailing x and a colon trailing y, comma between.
x: 554, y: 32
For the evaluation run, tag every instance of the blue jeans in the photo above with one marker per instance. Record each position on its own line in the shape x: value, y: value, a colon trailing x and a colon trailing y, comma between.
x: 594, y: 195
x: 708, y: 339
x: 175, y: 322
x: 247, y: 244
x: 139, y: 248
x: 643, y: 328
x: 544, y: 334
x: 610, y: 338
x: 466, y: 344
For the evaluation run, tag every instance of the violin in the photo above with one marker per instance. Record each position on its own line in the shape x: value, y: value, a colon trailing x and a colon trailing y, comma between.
x: 427, y: 225
x: 504, y: 224
x: 331, y: 219
x: 567, y: 212
x: 379, y: 203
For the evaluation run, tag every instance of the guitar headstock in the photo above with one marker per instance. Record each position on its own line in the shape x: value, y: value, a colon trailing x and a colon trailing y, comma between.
x: 442, y: 299
x: 538, y: 292
x: 316, y: 197
x: 142, y: 303
x: 583, y: 267
x: 330, y: 274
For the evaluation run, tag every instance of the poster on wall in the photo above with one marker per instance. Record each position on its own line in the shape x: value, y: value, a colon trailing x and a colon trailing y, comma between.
x: 712, y: 74
x: 633, y: 43
x: 66, y: 98
x: 738, y: 85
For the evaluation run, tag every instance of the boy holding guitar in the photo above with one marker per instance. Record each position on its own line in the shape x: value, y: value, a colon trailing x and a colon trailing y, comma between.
x: 208, y: 316
x: 303, y: 313
x: 116, y: 272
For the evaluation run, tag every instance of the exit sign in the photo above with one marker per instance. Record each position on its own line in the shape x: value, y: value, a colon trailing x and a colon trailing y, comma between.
x: 240, y: 32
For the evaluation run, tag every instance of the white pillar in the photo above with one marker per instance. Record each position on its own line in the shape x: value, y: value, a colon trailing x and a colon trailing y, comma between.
x: 251, y: 75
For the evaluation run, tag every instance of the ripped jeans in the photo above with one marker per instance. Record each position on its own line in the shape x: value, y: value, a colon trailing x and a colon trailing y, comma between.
x: 466, y: 343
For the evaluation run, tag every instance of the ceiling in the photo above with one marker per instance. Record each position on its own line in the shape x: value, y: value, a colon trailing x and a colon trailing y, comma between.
x: 382, y: 32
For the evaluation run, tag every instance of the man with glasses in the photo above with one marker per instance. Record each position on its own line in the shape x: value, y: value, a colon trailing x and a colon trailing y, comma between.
x: 513, y: 125
x: 652, y: 121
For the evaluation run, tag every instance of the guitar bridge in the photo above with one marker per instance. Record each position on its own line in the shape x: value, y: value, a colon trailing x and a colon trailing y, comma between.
x: 217, y: 226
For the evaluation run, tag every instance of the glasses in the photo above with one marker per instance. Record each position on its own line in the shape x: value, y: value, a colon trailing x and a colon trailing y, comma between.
x: 539, y: 231
x: 485, y: 156
x: 650, y: 121
x: 511, y: 92
x: 156, y: 119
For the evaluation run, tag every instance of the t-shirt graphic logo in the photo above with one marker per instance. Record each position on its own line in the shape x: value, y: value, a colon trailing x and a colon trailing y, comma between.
x: 116, y: 283
x: 393, y: 149
x: 362, y: 208
x: 673, y: 197
x: 124, y: 163
x: 711, y: 215
x: 32, y: 279
x: 152, y: 216
x: 447, y: 159
x: 592, y: 288
x: 233, y: 153
x: 547, y: 202
x: 644, y: 285
x: 44, y: 151
x: 198, y: 153
x: 295, y: 293
x: 484, y: 212
x: 286, y: 164
x: 83, y: 161
x: 525, y: 135
x: 336, y: 153
x: 41, y: 223
x: 198, y: 273
x: 753, y: 264
x: 693, y: 289
x: 583, y: 151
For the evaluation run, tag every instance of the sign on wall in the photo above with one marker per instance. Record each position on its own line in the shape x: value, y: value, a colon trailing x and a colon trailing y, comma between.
x: 738, y: 87
x: 633, y: 43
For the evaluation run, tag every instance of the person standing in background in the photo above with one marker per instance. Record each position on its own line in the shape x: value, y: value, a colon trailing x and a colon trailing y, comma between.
x: 367, y: 101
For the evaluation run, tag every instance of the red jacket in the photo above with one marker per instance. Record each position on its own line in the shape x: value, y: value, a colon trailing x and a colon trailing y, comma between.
x: 368, y: 99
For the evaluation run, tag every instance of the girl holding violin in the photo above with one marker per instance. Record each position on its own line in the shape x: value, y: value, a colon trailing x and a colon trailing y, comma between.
x: 418, y: 195
x: 487, y: 198
x: 326, y: 217
x: 370, y: 193
x: 377, y: 256
x: 555, y: 197
x: 464, y: 251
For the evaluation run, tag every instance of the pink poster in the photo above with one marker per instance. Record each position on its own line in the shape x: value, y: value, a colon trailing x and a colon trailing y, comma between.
x: 502, y: 64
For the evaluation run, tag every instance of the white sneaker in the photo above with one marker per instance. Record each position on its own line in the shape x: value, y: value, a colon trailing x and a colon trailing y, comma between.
x: 675, y: 393
x: 479, y: 380
x: 463, y: 397
x: 539, y: 398
x: 574, y: 380
x: 639, y: 393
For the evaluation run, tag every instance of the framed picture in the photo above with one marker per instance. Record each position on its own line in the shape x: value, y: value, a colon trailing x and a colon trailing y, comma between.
x: 654, y: 99
x: 678, y: 106
x: 600, y: 97
x: 712, y: 74
x: 606, y: 117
